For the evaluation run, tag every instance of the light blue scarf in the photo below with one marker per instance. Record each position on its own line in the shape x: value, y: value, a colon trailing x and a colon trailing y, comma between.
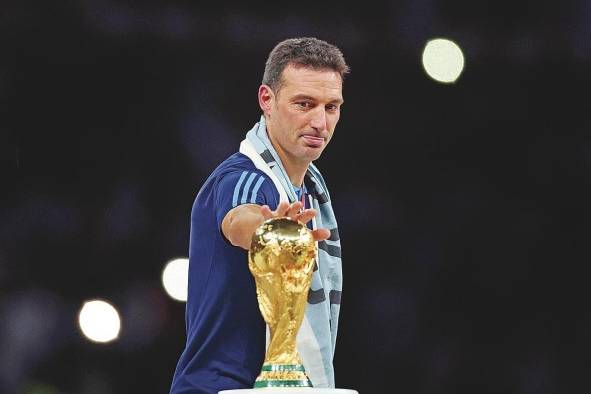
x: 317, y: 336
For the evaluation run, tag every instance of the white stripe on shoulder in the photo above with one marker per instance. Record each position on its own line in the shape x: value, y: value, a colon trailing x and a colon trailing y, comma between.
x: 255, y: 190
x: 237, y: 189
x: 247, y: 187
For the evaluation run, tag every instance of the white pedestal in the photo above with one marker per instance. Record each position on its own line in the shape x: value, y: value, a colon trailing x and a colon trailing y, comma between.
x: 289, y: 390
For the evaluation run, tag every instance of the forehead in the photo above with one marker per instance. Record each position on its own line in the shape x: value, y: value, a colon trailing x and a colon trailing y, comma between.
x: 321, y: 84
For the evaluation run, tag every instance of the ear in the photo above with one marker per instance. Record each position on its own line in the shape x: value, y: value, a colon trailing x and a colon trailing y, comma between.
x: 266, y: 98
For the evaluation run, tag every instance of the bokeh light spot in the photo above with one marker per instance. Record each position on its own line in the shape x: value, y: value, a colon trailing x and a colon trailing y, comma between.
x: 99, y: 321
x: 175, y: 278
x: 443, y: 60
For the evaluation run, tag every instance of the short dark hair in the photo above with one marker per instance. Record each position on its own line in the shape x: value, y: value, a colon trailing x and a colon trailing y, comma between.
x: 306, y: 52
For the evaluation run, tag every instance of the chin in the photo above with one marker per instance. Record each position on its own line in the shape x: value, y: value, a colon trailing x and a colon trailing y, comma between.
x: 308, y: 154
x: 314, y: 156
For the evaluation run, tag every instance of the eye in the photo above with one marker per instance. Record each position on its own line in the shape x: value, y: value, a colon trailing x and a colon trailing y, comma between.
x: 332, y: 107
x: 304, y: 104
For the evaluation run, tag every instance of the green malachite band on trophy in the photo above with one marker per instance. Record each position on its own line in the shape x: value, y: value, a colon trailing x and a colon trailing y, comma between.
x: 283, y: 367
x: 282, y: 383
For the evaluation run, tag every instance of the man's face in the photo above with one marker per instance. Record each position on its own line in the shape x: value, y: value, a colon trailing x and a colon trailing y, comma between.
x: 302, y: 116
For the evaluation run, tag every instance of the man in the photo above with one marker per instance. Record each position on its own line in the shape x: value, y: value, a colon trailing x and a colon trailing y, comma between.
x: 271, y: 176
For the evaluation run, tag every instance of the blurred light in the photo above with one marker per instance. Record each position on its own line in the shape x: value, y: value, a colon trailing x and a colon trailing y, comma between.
x: 443, y: 60
x: 99, y: 321
x: 175, y: 278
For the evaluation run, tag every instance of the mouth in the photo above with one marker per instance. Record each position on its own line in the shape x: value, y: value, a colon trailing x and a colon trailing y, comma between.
x: 312, y: 141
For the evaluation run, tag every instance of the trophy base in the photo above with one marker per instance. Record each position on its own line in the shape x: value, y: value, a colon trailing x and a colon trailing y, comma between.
x: 289, y: 390
x: 282, y: 375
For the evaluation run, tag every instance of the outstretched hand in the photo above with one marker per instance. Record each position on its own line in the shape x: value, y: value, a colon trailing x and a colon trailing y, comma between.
x: 294, y: 211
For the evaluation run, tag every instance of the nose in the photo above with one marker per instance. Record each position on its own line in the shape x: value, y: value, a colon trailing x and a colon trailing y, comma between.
x: 318, y: 120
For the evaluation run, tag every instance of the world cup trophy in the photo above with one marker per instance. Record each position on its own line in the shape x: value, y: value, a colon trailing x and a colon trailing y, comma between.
x: 281, y: 259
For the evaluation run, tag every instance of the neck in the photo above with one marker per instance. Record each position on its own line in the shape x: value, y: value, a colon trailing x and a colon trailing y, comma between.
x: 296, y: 169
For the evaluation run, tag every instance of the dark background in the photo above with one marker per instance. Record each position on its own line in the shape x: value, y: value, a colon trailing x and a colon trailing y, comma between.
x: 463, y: 208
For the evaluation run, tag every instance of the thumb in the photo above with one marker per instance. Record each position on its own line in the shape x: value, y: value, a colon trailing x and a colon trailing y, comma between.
x: 321, y: 234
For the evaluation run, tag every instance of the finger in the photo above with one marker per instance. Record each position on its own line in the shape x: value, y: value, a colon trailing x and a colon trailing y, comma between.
x: 306, y: 216
x: 321, y: 234
x: 282, y: 208
x: 266, y: 212
x: 294, y: 209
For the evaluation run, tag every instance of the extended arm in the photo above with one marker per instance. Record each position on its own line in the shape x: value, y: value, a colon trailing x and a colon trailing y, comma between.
x: 241, y: 222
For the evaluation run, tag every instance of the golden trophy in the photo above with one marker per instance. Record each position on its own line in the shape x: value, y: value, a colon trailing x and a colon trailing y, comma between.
x: 281, y: 259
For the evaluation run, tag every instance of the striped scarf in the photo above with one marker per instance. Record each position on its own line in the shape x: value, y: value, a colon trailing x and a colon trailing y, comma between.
x: 317, y: 336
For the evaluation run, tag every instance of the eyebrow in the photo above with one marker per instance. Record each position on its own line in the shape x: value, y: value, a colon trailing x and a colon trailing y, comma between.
x: 306, y: 97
